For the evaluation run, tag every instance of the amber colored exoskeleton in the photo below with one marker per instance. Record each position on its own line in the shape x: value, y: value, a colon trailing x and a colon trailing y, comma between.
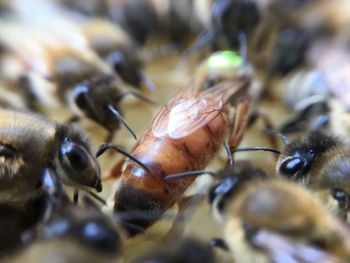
x: 184, y: 136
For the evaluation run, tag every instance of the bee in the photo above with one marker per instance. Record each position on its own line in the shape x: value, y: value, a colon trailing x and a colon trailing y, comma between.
x: 296, y: 34
x: 221, y: 66
x: 186, y: 250
x: 319, y: 161
x: 30, y: 142
x: 189, y: 129
x: 141, y: 19
x: 73, y: 234
x: 87, y: 88
x: 297, y: 226
x: 109, y: 41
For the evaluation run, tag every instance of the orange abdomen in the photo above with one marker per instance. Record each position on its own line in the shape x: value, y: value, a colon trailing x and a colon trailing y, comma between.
x: 148, y: 191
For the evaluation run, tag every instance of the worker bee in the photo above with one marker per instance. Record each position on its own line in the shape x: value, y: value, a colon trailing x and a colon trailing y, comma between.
x: 319, y: 161
x: 72, y: 234
x: 64, y: 146
x: 271, y: 220
x: 107, y: 40
x: 141, y: 19
x: 190, y: 137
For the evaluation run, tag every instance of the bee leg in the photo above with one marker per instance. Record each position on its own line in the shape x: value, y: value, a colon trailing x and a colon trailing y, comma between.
x: 219, y: 243
x: 239, y: 124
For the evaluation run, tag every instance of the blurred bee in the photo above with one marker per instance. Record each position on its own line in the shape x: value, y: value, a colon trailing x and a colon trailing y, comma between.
x: 97, y: 98
x: 295, y: 34
x: 176, y: 19
x: 70, y: 233
x: 299, y: 229
x: 187, y: 250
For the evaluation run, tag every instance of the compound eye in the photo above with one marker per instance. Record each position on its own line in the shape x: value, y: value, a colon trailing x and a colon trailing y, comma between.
x: 76, y: 156
x: 339, y: 195
x: 117, y: 59
x: 99, y: 236
x: 291, y: 165
x: 80, y: 96
x: 7, y: 151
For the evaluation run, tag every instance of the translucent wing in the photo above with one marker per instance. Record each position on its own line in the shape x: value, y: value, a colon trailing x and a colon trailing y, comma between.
x: 185, y: 114
x: 281, y: 249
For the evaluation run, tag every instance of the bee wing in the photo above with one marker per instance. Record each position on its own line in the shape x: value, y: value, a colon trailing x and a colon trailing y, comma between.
x: 281, y: 249
x: 185, y: 114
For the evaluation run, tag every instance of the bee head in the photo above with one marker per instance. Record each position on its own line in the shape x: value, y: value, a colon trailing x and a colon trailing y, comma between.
x: 232, y: 179
x: 88, y: 227
x: 94, y: 97
x: 233, y: 17
x: 299, y: 156
x: 75, y: 163
x: 128, y: 65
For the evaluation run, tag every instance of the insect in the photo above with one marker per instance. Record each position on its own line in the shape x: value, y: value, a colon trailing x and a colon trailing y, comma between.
x: 189, y: 129
x: 71, y: 233
x: 105, y: 39
x: 221, y: 66
x: 141, y: 19
x: 319, y: 160
x: 99, y: 99
x: 275, y: 220
x: 30, y: 142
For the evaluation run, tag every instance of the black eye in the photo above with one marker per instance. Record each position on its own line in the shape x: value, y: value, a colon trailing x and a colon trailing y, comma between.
x: 76, y: 155
x: 291, y: 165
x: 79, y: 94
x: 117, y: 59
x: 7, y: 151
x: 339, y: 195
x: 223, y: 189
x: 100, y: 237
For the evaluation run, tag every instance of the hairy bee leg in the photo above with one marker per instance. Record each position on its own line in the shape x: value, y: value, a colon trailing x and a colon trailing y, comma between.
x: 268, y: 124
x: 218, y: 243
x: 239, y: 124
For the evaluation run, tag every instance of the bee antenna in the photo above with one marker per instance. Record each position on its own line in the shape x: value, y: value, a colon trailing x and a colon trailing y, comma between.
x: 116, y: 113
x: 147, y: 81
x: 96, y: 197
x: 203, y: 39
x: 187, y: 174
x: 265, y: 149
x: 139, y: 96
x: 279, y: 135
x: 119, y: 149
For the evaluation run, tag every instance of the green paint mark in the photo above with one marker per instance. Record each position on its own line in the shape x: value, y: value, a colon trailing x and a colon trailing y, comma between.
x: 224, y: 59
